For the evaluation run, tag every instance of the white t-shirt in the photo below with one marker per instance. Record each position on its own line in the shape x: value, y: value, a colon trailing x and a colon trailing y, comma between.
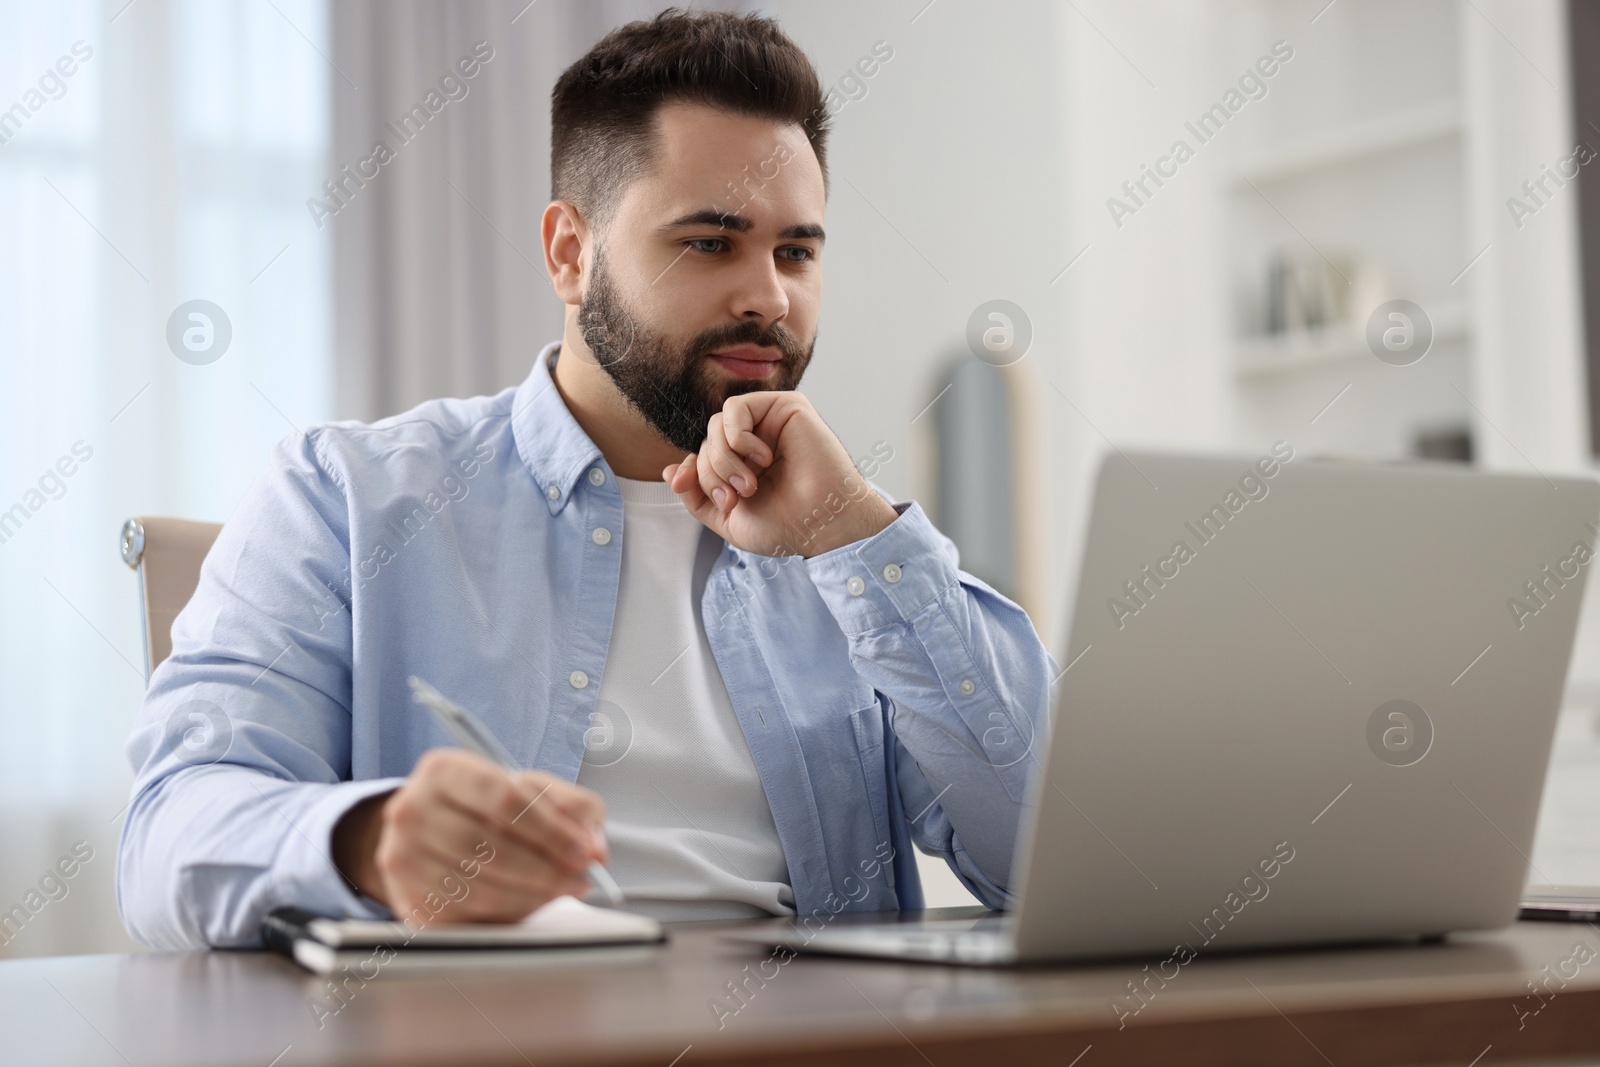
x: 688, y: 824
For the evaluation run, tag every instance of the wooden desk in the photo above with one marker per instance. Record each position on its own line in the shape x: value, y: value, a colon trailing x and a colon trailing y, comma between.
x: 1446, y: 1003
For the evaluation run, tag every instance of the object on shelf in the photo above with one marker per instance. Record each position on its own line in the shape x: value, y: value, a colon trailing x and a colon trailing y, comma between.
x: 1451, y: 443
x: 1307, y: 290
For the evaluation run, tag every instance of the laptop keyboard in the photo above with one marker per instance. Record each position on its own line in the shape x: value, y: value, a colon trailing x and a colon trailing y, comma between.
x: 984, y: 940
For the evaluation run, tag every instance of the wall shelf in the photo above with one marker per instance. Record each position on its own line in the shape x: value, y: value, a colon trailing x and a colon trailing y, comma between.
x: 1374, y: 137
x: 1273, y: 356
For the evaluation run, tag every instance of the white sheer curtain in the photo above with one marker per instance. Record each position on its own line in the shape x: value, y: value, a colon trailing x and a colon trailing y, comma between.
x: 173, y: 164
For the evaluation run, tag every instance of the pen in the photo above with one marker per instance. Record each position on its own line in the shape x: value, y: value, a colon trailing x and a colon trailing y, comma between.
x: 470, y: 731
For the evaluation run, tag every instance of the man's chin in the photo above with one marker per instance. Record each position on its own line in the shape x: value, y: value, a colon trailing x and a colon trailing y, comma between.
x: 717, y: 386
x: 722, y: 382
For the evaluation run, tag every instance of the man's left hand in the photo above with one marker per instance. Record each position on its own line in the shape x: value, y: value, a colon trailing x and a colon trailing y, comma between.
x: 771, y: 478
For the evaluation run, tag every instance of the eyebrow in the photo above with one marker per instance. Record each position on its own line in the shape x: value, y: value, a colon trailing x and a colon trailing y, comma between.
x: 726, y: 220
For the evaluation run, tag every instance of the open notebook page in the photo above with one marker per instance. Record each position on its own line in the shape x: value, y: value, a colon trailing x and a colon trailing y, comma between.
x: 565, y: 920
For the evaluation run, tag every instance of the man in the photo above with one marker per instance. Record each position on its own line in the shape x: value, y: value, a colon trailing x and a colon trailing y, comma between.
x: 748, y: 682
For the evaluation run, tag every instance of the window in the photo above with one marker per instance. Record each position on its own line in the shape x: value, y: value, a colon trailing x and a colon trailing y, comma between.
x: 150, y: 155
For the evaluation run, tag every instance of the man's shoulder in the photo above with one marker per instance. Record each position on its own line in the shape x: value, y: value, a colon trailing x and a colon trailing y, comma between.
x: 436, y: 431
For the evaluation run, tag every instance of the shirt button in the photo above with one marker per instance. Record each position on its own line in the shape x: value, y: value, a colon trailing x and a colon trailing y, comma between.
x: 553, y: 493
x: 891, y: 573
x: 967, y: 688
x: 855, y: 585
x: 578, y: 679
x: 601, y: 535
x: 597, y: 476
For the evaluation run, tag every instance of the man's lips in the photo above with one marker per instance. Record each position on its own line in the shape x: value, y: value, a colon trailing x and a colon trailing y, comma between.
x: 747, y: 361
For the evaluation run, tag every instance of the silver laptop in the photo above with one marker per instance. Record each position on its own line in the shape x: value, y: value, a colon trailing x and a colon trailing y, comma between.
x: 1302, y: 702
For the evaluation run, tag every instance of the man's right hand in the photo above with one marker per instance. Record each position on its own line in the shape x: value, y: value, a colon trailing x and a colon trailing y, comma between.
x: 491, y: 845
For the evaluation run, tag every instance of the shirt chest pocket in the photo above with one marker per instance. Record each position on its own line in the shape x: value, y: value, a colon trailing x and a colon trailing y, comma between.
x: 843, y: 754
x: 867, y: 725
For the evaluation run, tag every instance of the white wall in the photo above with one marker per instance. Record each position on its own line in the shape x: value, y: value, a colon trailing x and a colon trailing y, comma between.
x: 1519, y: 116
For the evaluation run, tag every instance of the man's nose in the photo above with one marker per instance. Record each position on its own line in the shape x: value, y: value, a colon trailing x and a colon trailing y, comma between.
x: 762, y: 295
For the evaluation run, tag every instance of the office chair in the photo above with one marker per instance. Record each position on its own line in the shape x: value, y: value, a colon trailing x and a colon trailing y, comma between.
x: 167, y: 554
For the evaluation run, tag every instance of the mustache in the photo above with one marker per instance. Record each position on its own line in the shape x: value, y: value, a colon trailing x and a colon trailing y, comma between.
x: 748, y: 332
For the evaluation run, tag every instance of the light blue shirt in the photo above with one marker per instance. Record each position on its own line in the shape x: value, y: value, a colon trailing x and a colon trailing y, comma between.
x: 887, y: 697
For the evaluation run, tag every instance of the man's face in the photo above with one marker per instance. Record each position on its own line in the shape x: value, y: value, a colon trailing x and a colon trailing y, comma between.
x: 707, y: 279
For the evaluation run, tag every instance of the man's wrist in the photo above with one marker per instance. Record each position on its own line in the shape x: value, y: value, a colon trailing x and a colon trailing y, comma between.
x: 355, y: 846
x: 860, y: 520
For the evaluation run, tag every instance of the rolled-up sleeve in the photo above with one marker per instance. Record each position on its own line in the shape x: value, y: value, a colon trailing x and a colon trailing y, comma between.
x: 241, y: 750
x: 967, y: 680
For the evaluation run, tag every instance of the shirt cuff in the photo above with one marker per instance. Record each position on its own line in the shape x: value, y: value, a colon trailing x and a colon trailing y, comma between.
x: 890, y: 577
x: 304, y: 872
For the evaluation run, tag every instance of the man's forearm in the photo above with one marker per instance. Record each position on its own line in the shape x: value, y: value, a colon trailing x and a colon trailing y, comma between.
x: 967, y: 675
x: 208, y: 851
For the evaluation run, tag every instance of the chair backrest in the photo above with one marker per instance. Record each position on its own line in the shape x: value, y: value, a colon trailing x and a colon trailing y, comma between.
x: 167, y: 554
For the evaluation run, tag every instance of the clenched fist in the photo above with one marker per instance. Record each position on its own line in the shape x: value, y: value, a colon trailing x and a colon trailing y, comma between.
x: 771, y: 478
x: 492, y: 846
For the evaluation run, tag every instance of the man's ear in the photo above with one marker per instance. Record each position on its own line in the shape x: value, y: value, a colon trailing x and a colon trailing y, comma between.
x: 566, y: 236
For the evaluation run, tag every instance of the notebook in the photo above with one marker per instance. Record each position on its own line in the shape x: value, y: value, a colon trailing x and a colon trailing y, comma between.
x: 562, y: 931
x: 1561, y: 903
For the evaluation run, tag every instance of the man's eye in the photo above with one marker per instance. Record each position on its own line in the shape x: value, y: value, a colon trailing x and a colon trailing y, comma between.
x: 700, y: 244
x: 796, y: 254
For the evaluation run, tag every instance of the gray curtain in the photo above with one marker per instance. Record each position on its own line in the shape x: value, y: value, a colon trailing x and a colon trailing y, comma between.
x: 439, y: 280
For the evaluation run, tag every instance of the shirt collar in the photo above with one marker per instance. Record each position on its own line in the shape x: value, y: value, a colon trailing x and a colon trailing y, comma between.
x: 552, y: 445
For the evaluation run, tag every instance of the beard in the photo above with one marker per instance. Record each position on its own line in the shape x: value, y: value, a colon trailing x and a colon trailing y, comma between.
x: 675, y: 387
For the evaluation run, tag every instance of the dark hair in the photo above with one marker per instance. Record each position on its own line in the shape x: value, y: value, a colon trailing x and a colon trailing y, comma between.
x: 602, y: 110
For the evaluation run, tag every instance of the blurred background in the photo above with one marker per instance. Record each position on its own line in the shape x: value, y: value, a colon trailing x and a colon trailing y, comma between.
x: 1218, y: 296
